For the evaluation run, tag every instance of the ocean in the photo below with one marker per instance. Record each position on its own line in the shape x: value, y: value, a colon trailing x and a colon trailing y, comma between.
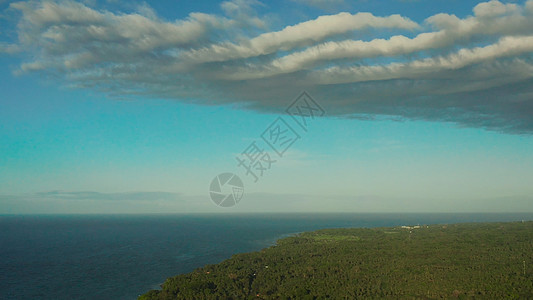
x: 123, y: 256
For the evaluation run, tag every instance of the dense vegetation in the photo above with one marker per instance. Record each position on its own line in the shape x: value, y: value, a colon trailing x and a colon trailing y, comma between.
x: 484, y: 260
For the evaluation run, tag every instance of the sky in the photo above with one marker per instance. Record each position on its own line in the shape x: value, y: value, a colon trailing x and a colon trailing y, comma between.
x: 136, y: 107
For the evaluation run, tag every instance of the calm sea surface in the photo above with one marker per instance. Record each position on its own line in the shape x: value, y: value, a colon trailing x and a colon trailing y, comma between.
x: 122, y: 256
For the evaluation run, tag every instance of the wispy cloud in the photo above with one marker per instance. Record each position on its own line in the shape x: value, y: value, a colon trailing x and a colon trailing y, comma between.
x: 474, y: 71
x: 98, y: 202
x: 163, y: 202
x: 124, y: 196
x: 323, y: 4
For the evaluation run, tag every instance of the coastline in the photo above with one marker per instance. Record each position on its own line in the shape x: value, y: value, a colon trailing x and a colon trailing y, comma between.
x: 340, y: 238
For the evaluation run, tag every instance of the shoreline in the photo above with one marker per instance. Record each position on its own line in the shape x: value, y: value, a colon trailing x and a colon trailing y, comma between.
x: 331, y: 237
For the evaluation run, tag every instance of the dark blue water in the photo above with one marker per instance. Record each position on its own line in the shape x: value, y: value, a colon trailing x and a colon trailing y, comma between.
x: 122, y: 256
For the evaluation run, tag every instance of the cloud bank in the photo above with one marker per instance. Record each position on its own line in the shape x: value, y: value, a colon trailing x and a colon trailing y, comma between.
x: 165, y: 202
x: 475, y: 71
x: 96, y: 202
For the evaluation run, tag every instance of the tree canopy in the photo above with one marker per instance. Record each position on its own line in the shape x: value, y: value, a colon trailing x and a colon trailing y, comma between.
x: 487, y: 260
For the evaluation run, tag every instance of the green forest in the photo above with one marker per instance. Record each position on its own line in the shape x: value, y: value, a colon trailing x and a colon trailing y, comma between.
x: 480, y: 260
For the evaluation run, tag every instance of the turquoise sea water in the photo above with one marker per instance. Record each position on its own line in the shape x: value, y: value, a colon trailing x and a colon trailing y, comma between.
x: 122, y: 256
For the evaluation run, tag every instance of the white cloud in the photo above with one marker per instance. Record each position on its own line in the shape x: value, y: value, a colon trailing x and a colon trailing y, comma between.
x: 299, y: 35
x: 70, y: 35
x: 431, y: 67
x: 452, y: 31
x: 494, y: 8
x: 474, y: 71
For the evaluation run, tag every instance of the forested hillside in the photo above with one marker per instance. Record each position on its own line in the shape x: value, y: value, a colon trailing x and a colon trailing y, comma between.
x: 484, y: 260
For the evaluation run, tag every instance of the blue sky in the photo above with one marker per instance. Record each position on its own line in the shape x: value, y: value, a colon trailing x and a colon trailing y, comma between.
x: 427, y: 105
